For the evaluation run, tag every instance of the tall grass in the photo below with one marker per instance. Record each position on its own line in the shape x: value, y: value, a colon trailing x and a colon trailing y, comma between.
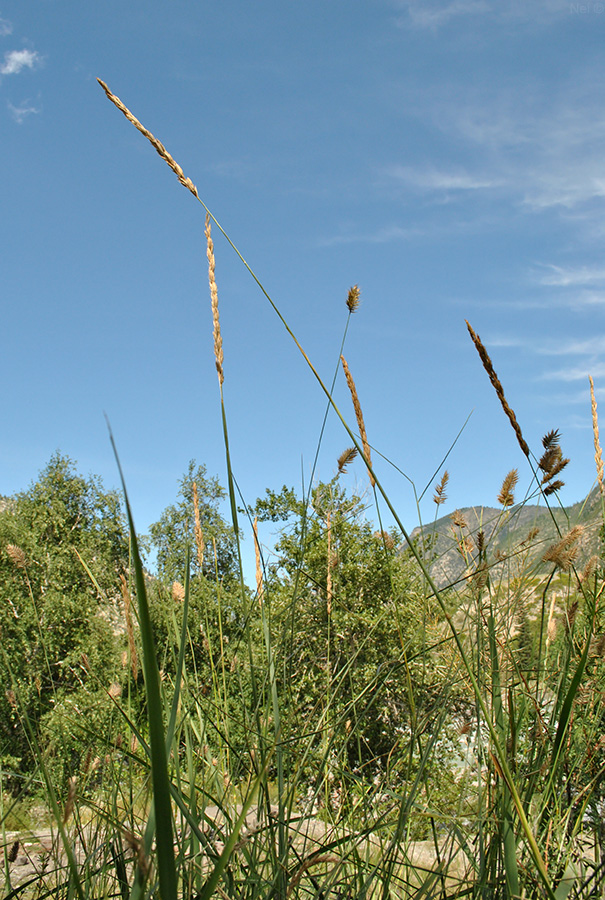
x: 495, y: 792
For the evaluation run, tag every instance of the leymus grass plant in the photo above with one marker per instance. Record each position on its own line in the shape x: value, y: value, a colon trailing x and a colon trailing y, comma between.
x: 286, y: 760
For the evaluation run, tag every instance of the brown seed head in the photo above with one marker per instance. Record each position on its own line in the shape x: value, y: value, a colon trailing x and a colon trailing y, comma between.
x: 353, y: 299
x: 216, y: 326
x: 458, y: 519
x: 134, y: 662
x: 14, y: 850
x: 440, y: 496
x: 159, y: 147
x: 199, y: 537
x: 564, y: 553
x: 345, y: 458
x: 506, y: 496
x: 71, y: 796
x: 16, y: 555
x: 358, y: 416
x: 598, y: 455
x: 497, y: 385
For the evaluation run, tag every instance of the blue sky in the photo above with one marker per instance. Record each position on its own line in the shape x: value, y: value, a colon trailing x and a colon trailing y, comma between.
x: 447, y: 156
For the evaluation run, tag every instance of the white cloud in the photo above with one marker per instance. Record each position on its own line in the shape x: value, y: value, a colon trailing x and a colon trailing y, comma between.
x: 20, y: 113
x: 538, y: 12
x: 16, y: 60
x: 433, y: 179
x: 436, y: 16
x: 570, y: 277
x: 575, y: 373
x: 5, y: 27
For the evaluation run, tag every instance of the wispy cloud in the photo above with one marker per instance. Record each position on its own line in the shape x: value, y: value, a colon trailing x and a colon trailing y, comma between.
x: 575, y: 373
x: 558, y: 276
x: 6, y: 27
x: 436, y: 16
x: 380, y: 236
x: 21, y: 113
x: 435, y: 180
x: 17, y: 60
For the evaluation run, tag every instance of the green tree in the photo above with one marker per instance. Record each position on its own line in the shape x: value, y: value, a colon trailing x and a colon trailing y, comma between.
x: 174, y: 535
x: 62, y: 547
x: 347, y: 609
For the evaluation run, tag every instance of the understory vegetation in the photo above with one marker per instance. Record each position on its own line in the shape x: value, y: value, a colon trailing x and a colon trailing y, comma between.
x: 349, y: 727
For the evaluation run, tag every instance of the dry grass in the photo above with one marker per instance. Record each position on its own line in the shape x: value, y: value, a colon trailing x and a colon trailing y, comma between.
x: 359, y: 417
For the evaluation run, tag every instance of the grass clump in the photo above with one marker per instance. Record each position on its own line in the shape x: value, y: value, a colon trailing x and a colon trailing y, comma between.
x: 355, y: 726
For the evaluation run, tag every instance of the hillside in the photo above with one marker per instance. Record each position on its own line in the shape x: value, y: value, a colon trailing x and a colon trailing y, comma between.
x: 451, y: 542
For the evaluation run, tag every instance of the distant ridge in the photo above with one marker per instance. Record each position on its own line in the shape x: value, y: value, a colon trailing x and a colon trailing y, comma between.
x: 452, y: 549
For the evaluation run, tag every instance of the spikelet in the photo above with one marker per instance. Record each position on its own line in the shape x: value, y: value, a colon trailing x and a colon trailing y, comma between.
x: 134, y: 662
x: 598, y: 455
x: 353, y: 299
x: 589, y: 568
x: 345, y: 458
x: 14, y: 850
x: 159, y: 147
x: 489, y: 368
x: 71, y: 796
x: 458, y: 519
x: 216, y: 325
x: 564, y: 553
x: 358, y: 416
x: 440, y: 496
x: 178, y: 592
x: 199, y: 537
x: 257, y: 557
x: 506, y: 496
x: 552, y: 462
x: 16, y: 555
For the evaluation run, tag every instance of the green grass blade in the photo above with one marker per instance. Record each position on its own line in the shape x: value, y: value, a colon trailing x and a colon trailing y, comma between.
x: 159, y: 758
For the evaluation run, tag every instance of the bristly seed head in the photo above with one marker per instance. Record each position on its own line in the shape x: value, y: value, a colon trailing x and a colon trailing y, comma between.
x: 440, y: 496
x: 345, y: 458
x: 506, y: 496
x: 218, y: 341
x: 353, y: 299
x: 564, y: 553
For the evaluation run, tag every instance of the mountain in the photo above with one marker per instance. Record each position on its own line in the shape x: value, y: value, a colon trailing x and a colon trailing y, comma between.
x: 520, y: 533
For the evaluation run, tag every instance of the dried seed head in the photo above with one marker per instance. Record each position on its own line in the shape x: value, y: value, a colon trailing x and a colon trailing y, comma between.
x: 589, y: 569
x: 134, y: 662
x: 386, y: 539
x: 345, y: 458
x: 572, y: 612
x: 480, y: 541
x: 17, y: 556
x: 564, y: 553
x: 114, y: 690
x: 459, y: 520
x: 216, y: 326
x: 159, y: 147
x: 11, y: 697
x: 71, y: 796
x: 551, y: 630
x: 178, y: 592
x: 14, y: 850
x: 552, y: 462
x: 257, y: 559
x: 199, y: 537
x: 506, y: 496
x: 598, y: 455
x: 497, y: 385
x: 358, y: 416
x: 353, y: 300
x: 440, y: 496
